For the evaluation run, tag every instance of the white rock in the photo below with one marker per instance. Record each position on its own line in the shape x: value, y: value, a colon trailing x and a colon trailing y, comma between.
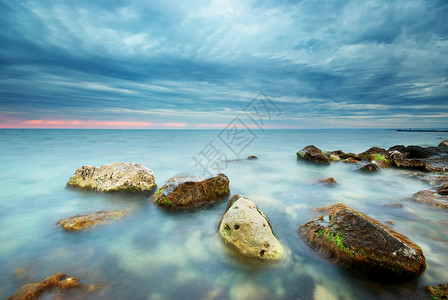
x: 247, y: 228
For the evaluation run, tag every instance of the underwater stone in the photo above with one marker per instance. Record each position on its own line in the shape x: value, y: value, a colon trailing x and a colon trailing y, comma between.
x: 80, y: 222
x: 246, y: 228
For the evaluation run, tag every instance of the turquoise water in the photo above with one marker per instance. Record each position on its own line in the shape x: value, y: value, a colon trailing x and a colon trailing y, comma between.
x: 157, y: 254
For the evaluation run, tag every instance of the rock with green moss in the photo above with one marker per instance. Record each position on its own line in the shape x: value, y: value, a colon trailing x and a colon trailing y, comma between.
x: 313, y: 154
x: 359, y: 242
x: 184, y: 192
x: 437, y: 292
x: 247, y: 229
x: 119, y: 176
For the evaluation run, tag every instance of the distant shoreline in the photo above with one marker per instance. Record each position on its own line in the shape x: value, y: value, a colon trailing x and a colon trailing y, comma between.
x: 422, y: 130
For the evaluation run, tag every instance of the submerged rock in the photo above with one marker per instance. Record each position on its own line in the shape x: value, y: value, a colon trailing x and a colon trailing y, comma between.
x: 369, y: 168
x: 313, y: 154
x: 252, y: 157
x: 246, y: 228
x: 80, y: 222
x: 119, y: 176
x: 191, y: 191
x: 432, y: 198
x: 330, y: 181
x: 35, y: 290
x: 357, y: 241
x: 438, y: 291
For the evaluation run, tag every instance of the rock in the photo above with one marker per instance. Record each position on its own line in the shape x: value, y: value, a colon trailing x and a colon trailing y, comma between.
x: 372, y: 152
x: 333, y: 158
x: 80, y: 222
x: 313, y: 154
x: 415, y: 164
x: 396, y: 155
x: 118, y: 176
x: 369, y: 168
x: 343, y: 155
x: 330, y: 181
x: 357, y: 241
x: 390, y: 222
x: 246, y: 228
x: 35, y: 290
x: 411, y: 152
x: 394, y: 205
x: 435, y: 179
x: 191, y: 191
x: 252, y: 157
x: 351, y: 160
x: 438, y: 291
x: 432, y: 198
x: 443, y: 144
x: 443, y: 189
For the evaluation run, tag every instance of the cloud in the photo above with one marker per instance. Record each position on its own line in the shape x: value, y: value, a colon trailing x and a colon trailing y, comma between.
x: 170, y: 62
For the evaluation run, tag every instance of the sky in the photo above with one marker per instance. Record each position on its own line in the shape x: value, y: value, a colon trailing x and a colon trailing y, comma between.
x: 198, y: 64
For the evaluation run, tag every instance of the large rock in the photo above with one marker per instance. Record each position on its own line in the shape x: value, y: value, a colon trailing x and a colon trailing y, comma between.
x: 362, y: 243
x: 80, y: 222
x: 343, y: 155
x: 191, y: 191
x: 246, y: 228
x: 313, y: 154
x: 372, y: 152
x: 119, y: 176
x: 432, y: 198
x: 444, y: 144
x: 56, y: 281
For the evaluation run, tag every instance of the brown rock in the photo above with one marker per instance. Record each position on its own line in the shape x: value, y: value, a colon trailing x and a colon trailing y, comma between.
x: 443, y: 189
x: 372, y: 152
x: 252, y: 157
x: 35, y: 290
x: 330, y: 181
x: 313, y: 154
x: 438, y: 291
x: 390, y: 222
x: 80, y: 222
x: 443, y: 144
x: 344, y: 155
x: 432, y: 198
x: 191, y: 191
x: 118, y: 176
x: 351, y: 160
x: 362, y: 243
x: 369, y: 168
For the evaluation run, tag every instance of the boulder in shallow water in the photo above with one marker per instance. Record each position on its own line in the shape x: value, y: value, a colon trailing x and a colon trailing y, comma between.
x: 351, y: 160
x: 119, y: 176
x: 437, y: 291
x: 36, y: 290
x: 357, y: 241
x: 80, y: 222
x: 313, y: 154
x: 432, y: 198
x: 444, y: 144
x: 252, y: 156
x: 246, y: 228
x: 333, y: 157
x: 372, y: 152
x: 369, y: 168
x: 180, y: 191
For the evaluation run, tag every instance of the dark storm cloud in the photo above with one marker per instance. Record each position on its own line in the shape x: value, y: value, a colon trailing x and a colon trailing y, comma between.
x: 326, y: 63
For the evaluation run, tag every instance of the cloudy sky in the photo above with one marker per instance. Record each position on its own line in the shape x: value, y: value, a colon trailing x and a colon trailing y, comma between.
x: 197, y: 64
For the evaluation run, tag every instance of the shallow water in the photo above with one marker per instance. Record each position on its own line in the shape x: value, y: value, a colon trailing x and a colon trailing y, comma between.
x: 158, y: 254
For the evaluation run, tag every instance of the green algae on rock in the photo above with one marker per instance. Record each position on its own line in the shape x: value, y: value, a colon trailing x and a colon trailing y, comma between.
x: 246, y: 228
x: 357, y: 241
x: 81, y: 222
x: 180, y: 191
x: 119, y: 176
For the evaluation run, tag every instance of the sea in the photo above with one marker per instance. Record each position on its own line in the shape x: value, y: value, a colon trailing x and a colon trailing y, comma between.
x: 154, y: 253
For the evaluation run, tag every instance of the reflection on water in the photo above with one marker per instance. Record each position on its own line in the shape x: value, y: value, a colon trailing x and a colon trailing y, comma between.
x: 156, y: 254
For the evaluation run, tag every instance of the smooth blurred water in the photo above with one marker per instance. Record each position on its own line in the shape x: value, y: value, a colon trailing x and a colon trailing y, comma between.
x: 158, y: 254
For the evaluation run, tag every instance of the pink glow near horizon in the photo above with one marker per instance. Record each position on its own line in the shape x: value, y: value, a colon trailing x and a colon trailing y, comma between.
x: 63, y: 123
